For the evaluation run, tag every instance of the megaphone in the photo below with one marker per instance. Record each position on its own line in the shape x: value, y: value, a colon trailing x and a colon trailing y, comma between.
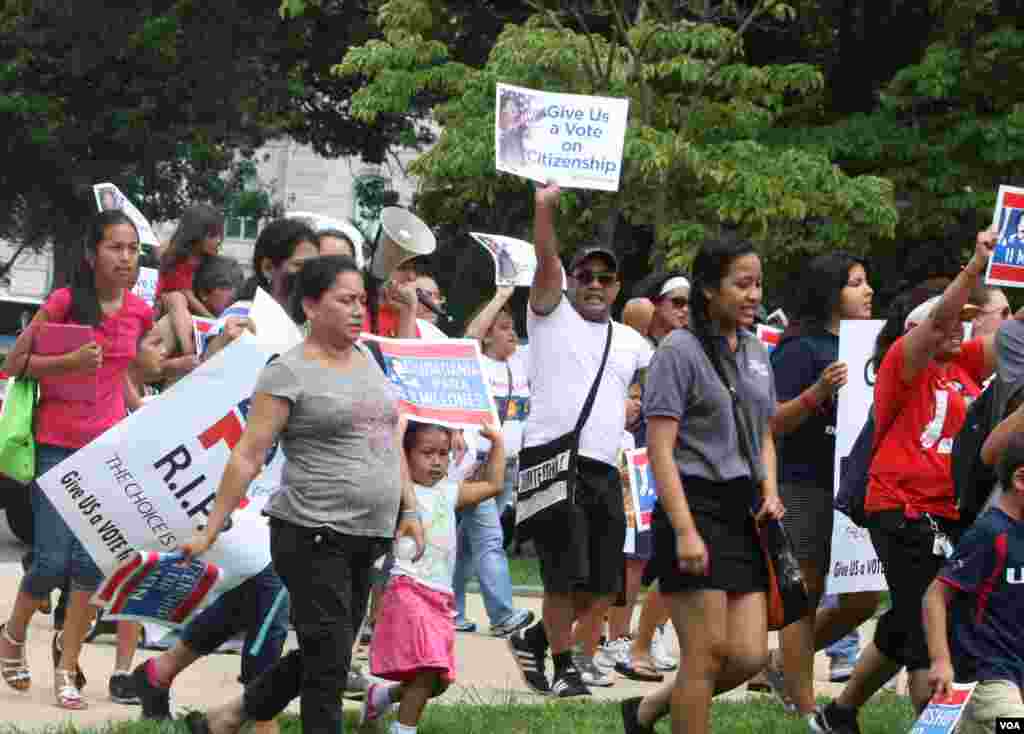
x: 403, y: 237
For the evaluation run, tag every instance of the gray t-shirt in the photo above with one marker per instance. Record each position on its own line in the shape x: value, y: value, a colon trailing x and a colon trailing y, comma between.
x: 683, y: 384
x: 341, y: 464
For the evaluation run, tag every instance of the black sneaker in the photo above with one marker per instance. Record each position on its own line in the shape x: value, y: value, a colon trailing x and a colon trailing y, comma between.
x: 569, y: 683
x: 156, y: 701
x: 831, y: 719
x: 122, y: 689
x: 630, y: 720
x: 530, y: 661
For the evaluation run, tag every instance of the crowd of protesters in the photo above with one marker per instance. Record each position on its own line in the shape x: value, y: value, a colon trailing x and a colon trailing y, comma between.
x: 735, y: 436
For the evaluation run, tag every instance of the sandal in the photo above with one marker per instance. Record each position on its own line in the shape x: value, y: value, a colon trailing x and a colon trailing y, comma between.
x: 57, y: 651
x: 15, y: 670
x: 68, y: 694
x: 644, y: 672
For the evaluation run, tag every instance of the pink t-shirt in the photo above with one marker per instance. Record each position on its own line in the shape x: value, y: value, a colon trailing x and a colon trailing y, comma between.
x: 72, y: 423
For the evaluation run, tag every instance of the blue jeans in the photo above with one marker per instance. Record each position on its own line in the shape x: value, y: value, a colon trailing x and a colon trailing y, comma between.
x: 846, y: 649
x: 480, y: 551
x: 259, y: 606
x: 58, y: 556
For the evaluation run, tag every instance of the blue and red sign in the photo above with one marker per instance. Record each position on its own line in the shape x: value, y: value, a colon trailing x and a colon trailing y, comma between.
x: 769, y: 336
x: 439, y: 381
x: 1006, y: 266
x: 942, y: 714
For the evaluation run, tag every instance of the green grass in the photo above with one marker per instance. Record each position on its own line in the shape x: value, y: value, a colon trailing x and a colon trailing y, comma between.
x: 886, y: 714
x: 525, y: 571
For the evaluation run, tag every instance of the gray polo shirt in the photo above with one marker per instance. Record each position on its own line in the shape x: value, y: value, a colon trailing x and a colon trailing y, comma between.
x: 683, y: 384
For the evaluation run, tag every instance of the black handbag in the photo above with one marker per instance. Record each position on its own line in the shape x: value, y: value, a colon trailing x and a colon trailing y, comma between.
x: 547, y: 473
x: 788, y: 600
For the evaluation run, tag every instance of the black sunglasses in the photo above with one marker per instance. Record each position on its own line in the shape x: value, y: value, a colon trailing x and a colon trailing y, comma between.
x: 681, y: 302
x: 586, y: 277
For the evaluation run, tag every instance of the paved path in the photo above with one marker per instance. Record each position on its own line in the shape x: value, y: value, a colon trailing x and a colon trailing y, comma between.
x: 486, y: 672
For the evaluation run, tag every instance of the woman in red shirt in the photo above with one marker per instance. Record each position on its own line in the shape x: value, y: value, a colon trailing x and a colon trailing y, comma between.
x: 925, y: 381
x: 100, y: 297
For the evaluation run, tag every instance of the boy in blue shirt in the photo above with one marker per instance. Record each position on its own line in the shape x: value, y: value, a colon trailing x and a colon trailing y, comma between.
x: 982, y: 589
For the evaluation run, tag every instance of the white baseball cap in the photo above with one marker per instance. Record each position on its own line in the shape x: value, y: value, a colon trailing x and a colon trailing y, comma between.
x: 924, y: 310
x: 673, y: 284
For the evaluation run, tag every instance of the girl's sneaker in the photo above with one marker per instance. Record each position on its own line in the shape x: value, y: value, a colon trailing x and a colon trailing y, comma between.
x: 591, y: 674
x: 374, y: 705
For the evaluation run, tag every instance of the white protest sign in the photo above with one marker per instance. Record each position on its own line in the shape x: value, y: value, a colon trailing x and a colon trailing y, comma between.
x: 145, y: 286
x: 855, y: 566
x: 515, y: 261
x: 155, y: 495
x: 571, y: 139
x: 109, y: 196
x: 942, y: 715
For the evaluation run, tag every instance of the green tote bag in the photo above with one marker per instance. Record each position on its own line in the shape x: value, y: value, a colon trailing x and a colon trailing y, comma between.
x: 17, y: 442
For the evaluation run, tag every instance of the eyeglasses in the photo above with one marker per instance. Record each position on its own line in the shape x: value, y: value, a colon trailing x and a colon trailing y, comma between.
x: 681, y: 302
x: 586, y: 277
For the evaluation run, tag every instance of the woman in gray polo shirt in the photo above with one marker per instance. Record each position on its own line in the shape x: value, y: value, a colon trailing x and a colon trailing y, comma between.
x: 336, y: 414
x: 706, y: 553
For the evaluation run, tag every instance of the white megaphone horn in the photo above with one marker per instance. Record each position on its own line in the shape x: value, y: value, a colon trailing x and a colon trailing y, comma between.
x: 403, y: 237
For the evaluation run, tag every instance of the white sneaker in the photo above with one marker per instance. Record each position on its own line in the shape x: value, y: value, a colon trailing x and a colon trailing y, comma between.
x: 663, y: 660
x: 610, y: 653
x: 590, y: 673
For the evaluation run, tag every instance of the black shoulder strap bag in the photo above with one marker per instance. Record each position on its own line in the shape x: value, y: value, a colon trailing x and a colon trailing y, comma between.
x: 547, y: 473
x: 787, y: 594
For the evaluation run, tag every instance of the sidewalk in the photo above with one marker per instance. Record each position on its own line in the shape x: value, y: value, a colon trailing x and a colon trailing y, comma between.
x: 486, y: 671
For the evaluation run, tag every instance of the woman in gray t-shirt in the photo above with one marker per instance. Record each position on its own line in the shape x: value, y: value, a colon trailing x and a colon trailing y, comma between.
x: 706, y: 553
x: 335, y: 413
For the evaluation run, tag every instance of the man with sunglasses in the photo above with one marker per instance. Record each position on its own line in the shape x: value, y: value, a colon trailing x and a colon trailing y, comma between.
x: 579, y: 546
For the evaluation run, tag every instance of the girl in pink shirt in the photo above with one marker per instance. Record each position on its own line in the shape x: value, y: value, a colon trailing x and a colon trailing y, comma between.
x: 100, y: 297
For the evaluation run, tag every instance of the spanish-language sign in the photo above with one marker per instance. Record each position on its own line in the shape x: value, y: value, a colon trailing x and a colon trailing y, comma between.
x: 570, y: 139
x: 769, y: 336
x: 640, y: 483
x: 439, y: 381
x: 942, y: 715
x: 145, y: 286
x: 1006, y: 266
x: 150, y: 481
x: 515, y: 261
x: 204, y: 330
x: 108, y: 196
x: 151, y: 586
x: 855, y: 566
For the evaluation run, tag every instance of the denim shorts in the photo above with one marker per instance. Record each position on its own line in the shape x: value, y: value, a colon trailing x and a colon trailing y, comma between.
x: 58, y: 557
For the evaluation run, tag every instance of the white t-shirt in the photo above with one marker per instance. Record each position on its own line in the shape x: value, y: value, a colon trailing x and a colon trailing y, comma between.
x: 429, y: 330
x: 565, y: 353
x: 436, y: 569
x: 518, y: 399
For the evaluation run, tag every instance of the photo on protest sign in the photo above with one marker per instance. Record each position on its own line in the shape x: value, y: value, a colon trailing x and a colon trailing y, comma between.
x: 573, y: 140
x: 154, y: 496
x: 855, y: 566
x: 145, y: 286
x: 108, y: 197
x: 438, y: 381
x: 158, y: 587
x: 1006, y: 266
x: 515, y: 261
x: 640, y: 496
x: 942, y: 715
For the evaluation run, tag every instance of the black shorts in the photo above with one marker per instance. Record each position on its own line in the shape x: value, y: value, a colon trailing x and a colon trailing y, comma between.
x: 580, y: 545
x: 721, y: 511
x: 904, y: 546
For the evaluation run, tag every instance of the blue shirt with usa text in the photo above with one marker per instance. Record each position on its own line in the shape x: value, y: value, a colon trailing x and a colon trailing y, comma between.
x: 987, y: 614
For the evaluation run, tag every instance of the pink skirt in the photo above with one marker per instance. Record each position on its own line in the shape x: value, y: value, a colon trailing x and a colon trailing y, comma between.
x: 414, y: 632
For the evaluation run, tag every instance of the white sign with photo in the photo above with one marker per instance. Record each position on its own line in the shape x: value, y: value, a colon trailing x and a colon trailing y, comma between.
x: 855, y: 566
x: 108, y: 196
x: 573, y: 140
x: 515, y: 261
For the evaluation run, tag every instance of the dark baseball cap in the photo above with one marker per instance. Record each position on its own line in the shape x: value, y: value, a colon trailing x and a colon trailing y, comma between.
x: 588, y: 252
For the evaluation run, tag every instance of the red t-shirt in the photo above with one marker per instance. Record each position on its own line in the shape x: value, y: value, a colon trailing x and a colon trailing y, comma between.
x: 917, y: 422
x: 72, y: 423
x: 178, y: 278
x: 387, y: 322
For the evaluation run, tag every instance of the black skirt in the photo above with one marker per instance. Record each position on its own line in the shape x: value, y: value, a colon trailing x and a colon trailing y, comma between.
x: 721, y: 512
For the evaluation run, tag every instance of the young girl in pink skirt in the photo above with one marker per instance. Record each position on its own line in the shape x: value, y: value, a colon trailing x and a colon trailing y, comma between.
x: 414, y: 636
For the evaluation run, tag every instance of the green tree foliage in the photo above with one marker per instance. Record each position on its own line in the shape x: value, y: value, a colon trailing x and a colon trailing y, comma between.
x: 694, y: 161
x: 167, y: 99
